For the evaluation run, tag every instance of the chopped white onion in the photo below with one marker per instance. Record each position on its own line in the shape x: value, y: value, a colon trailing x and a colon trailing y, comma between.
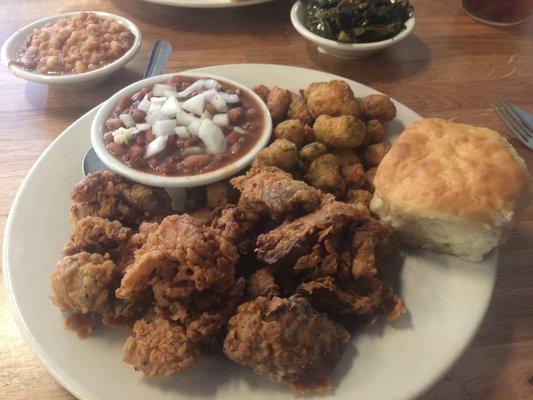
x: 144, y: 104
x: 155, y: 116
x: 211, y: 84
x: 184, y: 119
x: 121, y: 136
x: 154, y: 108
x: 201, y: 83
x: 206, y: 115
x: 127, y: 120
x: 219, y: 103
x: 159, y: 89
x: 158, y: 100
x: 195, y: 104
x: 194, y: 127
x: 212, y: 136
x: 221, y: 119
x: 182, y: 132
x: 171, y: 107
x: 143, y: 127
x: 209, y: 94
x: 240, y: 130
x: 189, y: 151
x: 156, y: 146
x: 171, y: 93
x: 164, y: 127
x: 230, y: 98
x: 134, y: 130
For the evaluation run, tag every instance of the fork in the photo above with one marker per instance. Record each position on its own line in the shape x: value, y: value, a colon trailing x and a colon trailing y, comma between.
x: 519, y: 122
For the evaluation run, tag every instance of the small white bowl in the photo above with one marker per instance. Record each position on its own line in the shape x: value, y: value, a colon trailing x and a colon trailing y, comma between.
x: 74, y: 81
x: 97, y: 140
x: 344, y: 50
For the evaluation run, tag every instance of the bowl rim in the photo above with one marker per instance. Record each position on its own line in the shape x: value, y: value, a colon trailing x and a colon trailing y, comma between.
x: 354, y: 47
x: 8, y: 47
x: 147, y: 178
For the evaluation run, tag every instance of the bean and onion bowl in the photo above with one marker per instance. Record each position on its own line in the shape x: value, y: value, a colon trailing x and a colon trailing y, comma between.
x: 182, y: 130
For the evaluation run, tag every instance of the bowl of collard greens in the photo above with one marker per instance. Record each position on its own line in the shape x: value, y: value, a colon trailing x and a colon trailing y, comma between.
x: 353, y: 28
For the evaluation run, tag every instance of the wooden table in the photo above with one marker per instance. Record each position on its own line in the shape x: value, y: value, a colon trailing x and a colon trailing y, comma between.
x: 451, y: 67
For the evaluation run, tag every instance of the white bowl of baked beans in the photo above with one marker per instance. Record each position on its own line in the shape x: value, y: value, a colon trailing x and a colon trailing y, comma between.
x: 77, y: 49
x: 181, y: 130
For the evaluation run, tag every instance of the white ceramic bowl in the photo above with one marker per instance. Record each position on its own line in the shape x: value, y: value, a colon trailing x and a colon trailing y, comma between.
x: 74, y: 81
x: 344, y: 50
x: 97, y: 131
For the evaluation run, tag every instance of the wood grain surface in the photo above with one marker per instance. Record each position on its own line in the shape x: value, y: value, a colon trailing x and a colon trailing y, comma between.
x: 451, y: 67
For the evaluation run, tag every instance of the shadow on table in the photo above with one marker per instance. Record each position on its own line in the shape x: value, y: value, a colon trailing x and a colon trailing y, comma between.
x: 404, y: 60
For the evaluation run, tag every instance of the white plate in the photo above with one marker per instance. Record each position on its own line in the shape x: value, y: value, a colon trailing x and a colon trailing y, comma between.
x: 207, y: 3
x: 446, y: 297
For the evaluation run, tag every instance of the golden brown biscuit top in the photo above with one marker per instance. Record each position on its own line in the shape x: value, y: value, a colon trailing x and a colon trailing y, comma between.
x: 441, y: 168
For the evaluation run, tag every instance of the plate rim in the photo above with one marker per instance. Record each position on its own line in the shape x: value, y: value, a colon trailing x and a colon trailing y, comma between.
x: 76, y: 388
x: 213, y: 4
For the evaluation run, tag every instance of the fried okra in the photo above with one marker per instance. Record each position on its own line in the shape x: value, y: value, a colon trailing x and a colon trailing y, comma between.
x: 370, y: 176
x: 278, y: 102
x: 332, y: 98
x: 294, y: 131
x: 298, y: 109
x: 311, y: 152
x: 346, y: 157
x: 374, y: 153
x: 374, y: 130
x: 281, y: 153
x: 325, y: 174
x: 355, y: 196
x: 344, y: 132
x: 377, y: 106
x: 354, y: 175
x: 262, y: 91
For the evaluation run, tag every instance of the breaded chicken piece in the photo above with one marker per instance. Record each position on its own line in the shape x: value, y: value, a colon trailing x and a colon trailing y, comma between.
x: 367, y: 297
x: 220, y: 194
x: 96, y: 235
x: 284, y: 245
x: 298, y: 109
x: 235, y: 225
x: 286, y: 340
x: 278, y: 102
x: 377, y: 106
x: 108, y: 195
x: 262, y: 283
x: 182, y: 250
x: 332, y: 98
x: 271, y: 191
x: 81, y: 285
x: 159, y: 347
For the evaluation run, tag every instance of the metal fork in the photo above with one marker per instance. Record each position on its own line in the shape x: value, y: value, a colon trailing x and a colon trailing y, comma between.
x: 519, y: 122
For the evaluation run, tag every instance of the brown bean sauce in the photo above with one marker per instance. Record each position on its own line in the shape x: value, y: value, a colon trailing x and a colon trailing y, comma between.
x: 187, y: 156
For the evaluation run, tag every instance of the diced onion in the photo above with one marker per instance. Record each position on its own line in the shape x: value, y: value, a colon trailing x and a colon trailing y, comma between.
x: 206, y: 115
x: 155, y: 116
x: 209, y: 94
x: 182, y: 132
x: 171, y: 107
x: 212, y: 136
x: 127, y: 120
x: 195, y: 104
x: 143, y: 127
x: 194, y: 127
x: 200, y: 83
x: 134, y: 130
x: 156, y: 146
x: 211, y: 84
x: 164, y: 127
x: 159, y: 89
x: 184, y: 119
x: 221, y: 119
x: 154, y: 107
x: 230, y: 98
x: 219, y: 103
x: 171, y: 93
x: 144, y: 104
x: 240, y: 130
x: 189, y: 151
x: 121, y: 135
x: 158, y: 100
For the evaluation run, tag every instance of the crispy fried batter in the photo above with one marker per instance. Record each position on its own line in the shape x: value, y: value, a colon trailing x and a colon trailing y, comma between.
x: 220, y: 194
x: 286, y: 340
x: 262, y: 283
x: 298, y: 109
x: 108, y: 195
x: 96, y: 235
x: 332, y: 98
x: 270, y: 190
x: 159, y: 347
x: 237, y: 226
x: 278, y: 102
